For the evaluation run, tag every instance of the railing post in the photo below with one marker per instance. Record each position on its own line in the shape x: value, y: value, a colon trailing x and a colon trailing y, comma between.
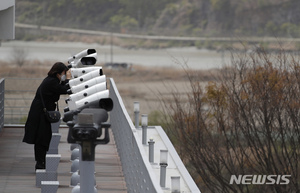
x: 175, y: 184
x: 75, y: 165
x: 75, y: 154
x: 136, y: 109
x: 144, y: 128
x: 163, y: 167
x: 75, y: 178
x: 151, y: 150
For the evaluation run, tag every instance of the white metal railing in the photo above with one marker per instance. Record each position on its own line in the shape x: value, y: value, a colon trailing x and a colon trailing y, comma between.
x: 141, y: 175
x: 137, y: 170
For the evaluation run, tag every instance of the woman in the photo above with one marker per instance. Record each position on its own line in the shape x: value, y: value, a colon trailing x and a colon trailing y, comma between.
x: 37, y: 128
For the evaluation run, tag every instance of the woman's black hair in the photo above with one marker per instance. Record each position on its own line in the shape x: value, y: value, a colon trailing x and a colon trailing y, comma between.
x: 57, y: 68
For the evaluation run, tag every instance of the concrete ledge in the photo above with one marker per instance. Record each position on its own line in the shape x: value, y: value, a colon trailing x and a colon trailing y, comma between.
x: 43, y: 175
x: 55, y: 126
x: 49, y: 186
x: 52, y: 162
x: 53, y: 147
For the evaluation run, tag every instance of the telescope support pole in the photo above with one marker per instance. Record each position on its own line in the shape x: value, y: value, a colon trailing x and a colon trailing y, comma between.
x: 87, y: 176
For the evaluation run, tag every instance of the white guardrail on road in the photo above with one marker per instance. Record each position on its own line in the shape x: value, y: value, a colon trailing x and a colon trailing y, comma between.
x: 154, y: 37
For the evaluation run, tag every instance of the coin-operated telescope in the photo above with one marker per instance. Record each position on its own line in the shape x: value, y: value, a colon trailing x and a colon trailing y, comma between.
x: 83, y: 58
x: 94, y: 97
x: 81, y: 54
x: 85, y: 77
x: 87, y: 84
x: 87, y: 92
x: 104, y: 103
x: 86, y: 125
x: 76, y: 72
x: 88, y: 60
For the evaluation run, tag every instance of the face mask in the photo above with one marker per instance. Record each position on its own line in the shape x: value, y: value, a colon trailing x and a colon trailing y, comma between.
x: 63, y: 77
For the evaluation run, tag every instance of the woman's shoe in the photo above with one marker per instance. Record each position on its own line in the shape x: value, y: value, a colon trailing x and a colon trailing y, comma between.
x: 40, y: 166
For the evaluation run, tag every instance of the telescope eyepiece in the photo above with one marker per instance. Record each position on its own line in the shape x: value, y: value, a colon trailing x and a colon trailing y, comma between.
x: 66, y: 109
x: 68, y: 99
x: 69, y: 91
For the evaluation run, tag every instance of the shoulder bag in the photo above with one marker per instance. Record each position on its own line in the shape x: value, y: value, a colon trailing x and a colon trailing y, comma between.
x: 51, y: 116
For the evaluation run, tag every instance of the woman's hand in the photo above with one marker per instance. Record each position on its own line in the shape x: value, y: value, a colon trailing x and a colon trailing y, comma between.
x: 68, y: 74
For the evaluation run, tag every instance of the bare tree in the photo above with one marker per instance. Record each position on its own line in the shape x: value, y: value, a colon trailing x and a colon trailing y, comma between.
x: 19, y: 56
x: 247, y: 122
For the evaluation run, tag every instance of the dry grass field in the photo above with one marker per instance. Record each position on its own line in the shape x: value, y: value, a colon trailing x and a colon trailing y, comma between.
x: 142, y: 84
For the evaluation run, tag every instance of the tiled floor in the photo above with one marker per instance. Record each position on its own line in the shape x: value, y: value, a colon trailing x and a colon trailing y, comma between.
x: 17, y: 165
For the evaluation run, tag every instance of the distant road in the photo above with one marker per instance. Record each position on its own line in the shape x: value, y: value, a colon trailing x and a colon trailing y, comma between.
x: 134, y: 36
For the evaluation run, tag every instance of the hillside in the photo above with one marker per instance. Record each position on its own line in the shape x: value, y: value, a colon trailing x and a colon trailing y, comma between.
x: 173, y: 17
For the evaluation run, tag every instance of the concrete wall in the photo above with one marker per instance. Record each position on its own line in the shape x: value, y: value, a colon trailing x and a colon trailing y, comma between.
x: 7, y: 19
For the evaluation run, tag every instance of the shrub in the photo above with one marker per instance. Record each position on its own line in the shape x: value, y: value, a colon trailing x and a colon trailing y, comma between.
x: 245, y: 123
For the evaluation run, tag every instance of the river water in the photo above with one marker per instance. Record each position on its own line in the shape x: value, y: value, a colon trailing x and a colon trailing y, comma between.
x: 171, y: 57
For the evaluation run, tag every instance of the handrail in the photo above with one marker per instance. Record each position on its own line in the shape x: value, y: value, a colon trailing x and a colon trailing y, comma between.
x: 137, y: 170
x: 140, y: 174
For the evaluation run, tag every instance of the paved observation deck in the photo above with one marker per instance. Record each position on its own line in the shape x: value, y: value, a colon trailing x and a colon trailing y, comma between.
x: 123, y: 165
x: 17, y: 165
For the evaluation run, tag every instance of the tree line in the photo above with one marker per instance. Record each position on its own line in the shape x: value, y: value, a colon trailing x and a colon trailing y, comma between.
x: 176, y: 17
x: 91, y: 14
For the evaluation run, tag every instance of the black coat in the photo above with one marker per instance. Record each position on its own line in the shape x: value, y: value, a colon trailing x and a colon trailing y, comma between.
x: 37, y: 128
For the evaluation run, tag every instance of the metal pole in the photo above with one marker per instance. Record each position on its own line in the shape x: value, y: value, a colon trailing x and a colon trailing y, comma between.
x: 144, y: 128
x: 136, y: 119
x: 163, y: 171
x: 87, y: 177
x: 144, y: 133
x: 151, y: 150
x: 175, y: 184
x: 136, y: 109
x: 163, y: 167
